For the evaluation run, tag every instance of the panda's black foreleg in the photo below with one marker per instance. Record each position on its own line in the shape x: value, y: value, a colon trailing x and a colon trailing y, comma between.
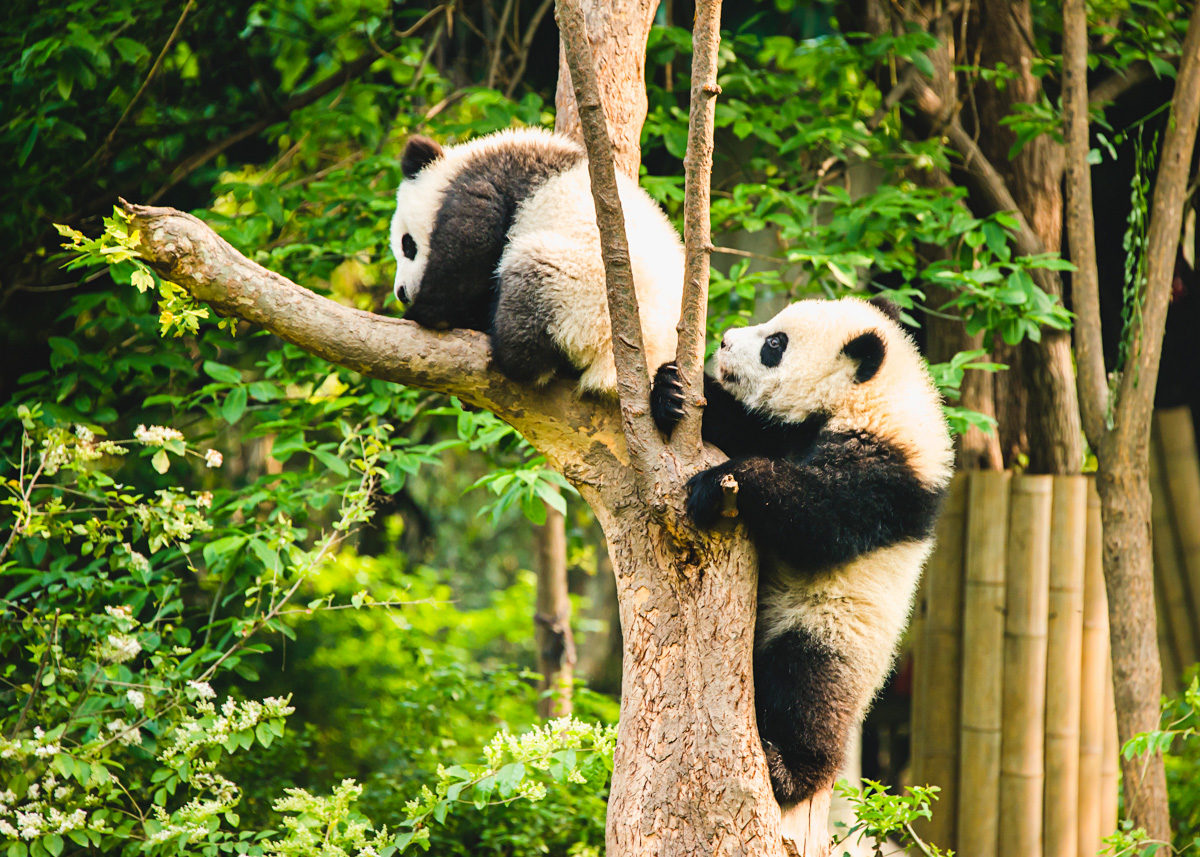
x: 522, y: 347
x: 805, y: 709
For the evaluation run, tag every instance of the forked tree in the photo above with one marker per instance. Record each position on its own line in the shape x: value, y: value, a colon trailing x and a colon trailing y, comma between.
x: 690, y: 776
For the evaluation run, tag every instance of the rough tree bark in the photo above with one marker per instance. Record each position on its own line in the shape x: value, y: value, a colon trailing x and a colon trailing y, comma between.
x: 690, y: 776
x: 1117, y: 422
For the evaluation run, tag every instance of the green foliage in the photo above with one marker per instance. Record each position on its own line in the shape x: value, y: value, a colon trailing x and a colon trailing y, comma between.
x: 882, y: 816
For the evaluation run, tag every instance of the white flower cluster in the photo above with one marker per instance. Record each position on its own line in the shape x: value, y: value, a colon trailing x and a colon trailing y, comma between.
x: 118, y: 648
x: 211, y: 729
x: 337, y: 829
x: 136, y: 698
x: 126, y: 734
x: 212, y: 458
x: 203, y: 689
x: 37, y: 817
x: 156, y: 435
x: 536, y: 746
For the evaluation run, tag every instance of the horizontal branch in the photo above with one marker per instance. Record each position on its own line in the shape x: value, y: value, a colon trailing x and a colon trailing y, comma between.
x: 184, y: 250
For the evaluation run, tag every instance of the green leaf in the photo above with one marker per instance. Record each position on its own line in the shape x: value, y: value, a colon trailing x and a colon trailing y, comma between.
x: 234, y: 405
x: 53, y: 844
x: 161, y: 461
x: 221, y: 372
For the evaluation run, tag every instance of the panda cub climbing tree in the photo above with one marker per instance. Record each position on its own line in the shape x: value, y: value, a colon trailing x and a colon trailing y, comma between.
x: 499, y: 235
x: 835, y: 435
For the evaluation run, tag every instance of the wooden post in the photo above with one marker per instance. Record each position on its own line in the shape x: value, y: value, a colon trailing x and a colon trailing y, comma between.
x: 1094, y: 684
x: 939, y: 662
x: 1169, y: 574
x: 1176, y: 441
x: 983, y: 664
x: 1022, y: 772
x: 1063, y: 650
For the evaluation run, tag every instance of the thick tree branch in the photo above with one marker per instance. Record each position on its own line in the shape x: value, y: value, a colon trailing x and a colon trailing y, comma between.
x: 1091, y: 379
x: 697, y: 222
x: 1135, y: 396
x: 633, y: 380
x: 183, y: 249
x: 1118, y: 83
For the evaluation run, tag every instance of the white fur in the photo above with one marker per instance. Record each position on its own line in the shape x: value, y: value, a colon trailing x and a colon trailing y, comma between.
x: 558, y: 223
x: 899, y: 404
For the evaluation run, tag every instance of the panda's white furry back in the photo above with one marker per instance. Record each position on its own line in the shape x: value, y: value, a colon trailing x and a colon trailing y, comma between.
x: 499, y: 234
x: 841, y: 453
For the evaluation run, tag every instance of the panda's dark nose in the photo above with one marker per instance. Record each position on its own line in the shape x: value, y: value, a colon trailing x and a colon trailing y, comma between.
x: 401, y: 294
x: 724, y: 342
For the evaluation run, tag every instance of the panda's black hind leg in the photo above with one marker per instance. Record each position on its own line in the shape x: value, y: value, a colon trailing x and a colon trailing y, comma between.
x: 805, y: 709
x: 521, y: 344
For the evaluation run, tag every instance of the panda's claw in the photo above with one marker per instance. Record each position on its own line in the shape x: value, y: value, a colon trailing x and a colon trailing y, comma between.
x: 706, y: 497
x: 666, y: 398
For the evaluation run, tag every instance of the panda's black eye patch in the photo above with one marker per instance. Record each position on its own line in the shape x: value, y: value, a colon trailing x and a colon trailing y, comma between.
x: 408, y: 246
x: 773, y: 348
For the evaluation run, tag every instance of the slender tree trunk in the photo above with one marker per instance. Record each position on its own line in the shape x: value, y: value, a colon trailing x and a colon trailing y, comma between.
x: 1118, y: 420
x: 555, y: 641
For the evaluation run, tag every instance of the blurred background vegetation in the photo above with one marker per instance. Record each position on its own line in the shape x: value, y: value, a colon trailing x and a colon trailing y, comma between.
x: 196, y: 519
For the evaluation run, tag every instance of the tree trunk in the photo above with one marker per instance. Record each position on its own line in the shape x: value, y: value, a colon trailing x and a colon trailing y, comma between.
x: 1033, y: 176
x: 555, y: 642
x: 618, y: 33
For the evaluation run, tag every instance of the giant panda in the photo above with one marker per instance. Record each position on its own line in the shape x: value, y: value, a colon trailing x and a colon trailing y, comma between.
x: 499, y: 234
x: 835, y: 435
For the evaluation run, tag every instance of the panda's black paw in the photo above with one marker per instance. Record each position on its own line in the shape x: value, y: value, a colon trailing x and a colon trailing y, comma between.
x: 706, y: 496
x: 666, y: 398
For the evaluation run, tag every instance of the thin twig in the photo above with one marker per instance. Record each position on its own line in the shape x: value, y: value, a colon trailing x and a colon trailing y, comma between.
x: 498, y: 48
x: 37, y: 680
x: 141, y: 89
x: 526, y: 42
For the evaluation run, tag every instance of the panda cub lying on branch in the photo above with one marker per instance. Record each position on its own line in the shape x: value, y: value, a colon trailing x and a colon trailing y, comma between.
x: 835, y: 435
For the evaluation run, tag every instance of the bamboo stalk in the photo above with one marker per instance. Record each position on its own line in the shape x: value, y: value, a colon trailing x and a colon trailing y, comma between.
x: 1064, y: 641
x: 1181, y: 466
x: 939, y: 659
x: 1169, y: 574
x: 1022, y: 772
x: 1093, y: 683
x: 983, y: 663
x: 1110, y: 762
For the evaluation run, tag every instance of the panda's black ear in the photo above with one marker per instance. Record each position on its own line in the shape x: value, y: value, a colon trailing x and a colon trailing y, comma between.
x: 867, y: 350
x: 887, y: 307
x: 418, y: 153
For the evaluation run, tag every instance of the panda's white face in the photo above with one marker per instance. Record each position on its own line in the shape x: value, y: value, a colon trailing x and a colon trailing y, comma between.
x: 795, y: 364
x: 417, y: 203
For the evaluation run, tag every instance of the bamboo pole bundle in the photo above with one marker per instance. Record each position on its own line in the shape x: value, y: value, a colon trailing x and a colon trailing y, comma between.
x: 1181, y: 470
x: 1022, y: 770
x: 1169, y: 573
x: 938, y: 662
x: 1064, y: 640
x: 1092, y: 684
x: 982, y: 664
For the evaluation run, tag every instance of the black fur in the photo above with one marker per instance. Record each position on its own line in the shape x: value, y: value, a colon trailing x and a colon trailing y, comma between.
x: 868, y: 351
x: 728, y: 424
x: 889, y: 308
x: 804, y: 713
x: 459, y: 288
x: 419, y: 152
x: 849, y: 494
x: 773, y: 348
x: 521, y: 343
